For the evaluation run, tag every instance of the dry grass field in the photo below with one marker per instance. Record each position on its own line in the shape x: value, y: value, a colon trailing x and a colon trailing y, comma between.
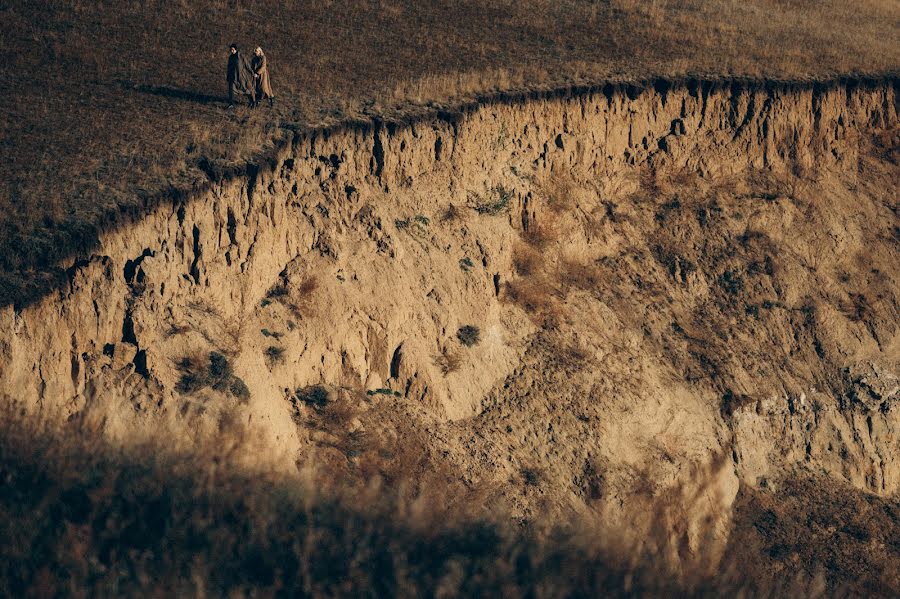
x: 110, y: 104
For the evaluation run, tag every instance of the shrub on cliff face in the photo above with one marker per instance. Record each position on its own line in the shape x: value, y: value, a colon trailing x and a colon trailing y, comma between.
x: 448, y: 362
x: 315, y: 396
x: 217, y: 374
x: 274, y: 355
x: 469, y: 335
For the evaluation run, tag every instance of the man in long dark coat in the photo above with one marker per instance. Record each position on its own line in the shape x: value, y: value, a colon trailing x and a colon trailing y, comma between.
x: 240, y: 77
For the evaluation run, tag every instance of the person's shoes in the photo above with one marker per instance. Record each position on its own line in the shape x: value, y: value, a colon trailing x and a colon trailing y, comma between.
x: 229, y: 107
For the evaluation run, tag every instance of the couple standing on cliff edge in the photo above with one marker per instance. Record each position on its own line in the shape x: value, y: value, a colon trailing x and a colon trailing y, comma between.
x: 249, y: 77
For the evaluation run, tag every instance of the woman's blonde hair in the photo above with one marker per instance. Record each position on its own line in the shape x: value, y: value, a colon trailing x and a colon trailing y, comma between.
x: 260, y: 50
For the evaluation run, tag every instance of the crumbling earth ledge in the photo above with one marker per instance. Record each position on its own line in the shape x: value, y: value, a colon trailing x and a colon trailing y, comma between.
x: 358, y: 251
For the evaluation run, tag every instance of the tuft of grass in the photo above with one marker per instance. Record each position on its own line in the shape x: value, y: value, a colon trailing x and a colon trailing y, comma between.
x: 496, y: 203
x: 527, y: 261
x: 469, y: 335
x: 732, y: 282
x: 541, y: 233
x: 531, y: 476
x: 278, y: 290
x: 450, y: 214
x: 417, y: 224
x: 274, y: 354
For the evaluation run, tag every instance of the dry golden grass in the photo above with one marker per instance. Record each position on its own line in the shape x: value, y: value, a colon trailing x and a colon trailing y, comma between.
x: 527, y: 261
x: 579, y: 274
x: 448, y: 361
x: 540, y: 233
x: 111, y: 104
x: 536, y: 296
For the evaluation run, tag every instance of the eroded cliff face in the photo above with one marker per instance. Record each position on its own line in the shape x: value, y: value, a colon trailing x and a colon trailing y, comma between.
x: 675, y: 289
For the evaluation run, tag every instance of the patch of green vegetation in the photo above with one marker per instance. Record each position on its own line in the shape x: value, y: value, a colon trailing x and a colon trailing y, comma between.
x: 466, y: 264
x: 531, y: 477
x: 417, y: 223
x: 469, y: 335
x: 496, y: 203
x: 274, y: 354
x: 279, y: 290
x: 316, y: 396
x: 272, y: 334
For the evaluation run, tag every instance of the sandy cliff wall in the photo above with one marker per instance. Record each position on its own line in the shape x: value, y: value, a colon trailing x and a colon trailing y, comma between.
x: 358, y: 253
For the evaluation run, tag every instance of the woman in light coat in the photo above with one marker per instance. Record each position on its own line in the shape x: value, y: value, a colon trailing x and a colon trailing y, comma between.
x: 261, y: 72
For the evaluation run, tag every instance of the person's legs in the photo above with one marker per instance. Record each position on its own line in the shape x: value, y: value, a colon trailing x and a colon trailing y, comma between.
x: 230, y: 95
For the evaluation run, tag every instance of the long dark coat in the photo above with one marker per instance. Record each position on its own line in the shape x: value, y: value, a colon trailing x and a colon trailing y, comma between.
x: 261, y: 69
x: 240, y: 75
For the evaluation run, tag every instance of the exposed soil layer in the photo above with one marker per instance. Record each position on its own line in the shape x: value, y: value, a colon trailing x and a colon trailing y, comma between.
x: 589, y: 303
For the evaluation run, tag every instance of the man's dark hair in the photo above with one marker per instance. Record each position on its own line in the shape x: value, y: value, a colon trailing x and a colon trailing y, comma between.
x: 234, y: 46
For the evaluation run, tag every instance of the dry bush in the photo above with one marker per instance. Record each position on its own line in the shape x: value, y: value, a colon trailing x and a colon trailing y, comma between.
x: 469, y: 335
x: 541, y: 233
x: 648, y: 182
x: 681, y: 181
x: 448, y: 361
x: 274, y: 355
x: 571, y: 356
x: 532, y: 295
x: 536, y: 296
x: 212, y: 371
x: 301, y: 298
x: 450, y: 214
x: 527, y: 261
x: 858, y: 308
x: 176, y: 329
x: 338, y: 413
x: 579, y: 274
